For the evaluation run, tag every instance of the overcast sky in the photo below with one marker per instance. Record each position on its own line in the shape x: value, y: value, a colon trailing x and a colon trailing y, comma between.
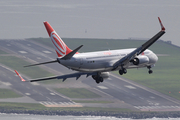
x: 117, y: 19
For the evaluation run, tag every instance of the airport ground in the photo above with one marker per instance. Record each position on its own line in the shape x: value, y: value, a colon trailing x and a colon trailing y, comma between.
x: 115, y: 92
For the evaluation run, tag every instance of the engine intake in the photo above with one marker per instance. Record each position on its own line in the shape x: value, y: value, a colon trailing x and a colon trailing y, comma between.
x: 140, y: 60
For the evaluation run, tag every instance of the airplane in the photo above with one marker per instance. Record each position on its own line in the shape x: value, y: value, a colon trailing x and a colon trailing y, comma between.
x: 99, y: 64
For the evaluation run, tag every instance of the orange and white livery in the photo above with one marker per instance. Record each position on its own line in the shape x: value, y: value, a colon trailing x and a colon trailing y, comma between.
x: 99, y: 64
x: 60, y: 47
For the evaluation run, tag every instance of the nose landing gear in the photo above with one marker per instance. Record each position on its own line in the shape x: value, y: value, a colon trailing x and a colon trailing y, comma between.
x: 150, y: 71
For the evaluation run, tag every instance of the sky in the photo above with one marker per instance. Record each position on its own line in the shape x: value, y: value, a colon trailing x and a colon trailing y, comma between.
x: 114, y: 19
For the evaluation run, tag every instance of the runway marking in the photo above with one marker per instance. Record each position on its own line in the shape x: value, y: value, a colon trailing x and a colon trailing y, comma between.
x: 27, y: 93
x: 141, y: 98
x: 102, y: 87
x: 46, y: 51
x: 52, y: 93
x: 152, y: 97
x: 6, y: 83
x: 130, y: 87
x: 109, y: 78
x: 34, y: 83
x: 48, y: 98
x: 60, y: 104
x: 23, y: 52
x: 133, y: 94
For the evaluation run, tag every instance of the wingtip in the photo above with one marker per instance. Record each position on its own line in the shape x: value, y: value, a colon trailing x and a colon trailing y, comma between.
x: 162, y: 27
x: 20, y: 76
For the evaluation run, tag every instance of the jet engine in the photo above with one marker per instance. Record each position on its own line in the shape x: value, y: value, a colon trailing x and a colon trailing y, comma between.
x: 140, y: 60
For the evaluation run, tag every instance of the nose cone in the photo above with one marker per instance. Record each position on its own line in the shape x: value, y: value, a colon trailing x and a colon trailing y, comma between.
x: 154, y: 58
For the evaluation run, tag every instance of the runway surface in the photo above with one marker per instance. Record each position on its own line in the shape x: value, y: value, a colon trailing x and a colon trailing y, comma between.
x: 116, y: 87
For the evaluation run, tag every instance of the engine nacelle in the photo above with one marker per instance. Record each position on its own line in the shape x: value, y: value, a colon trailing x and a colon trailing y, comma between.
x: 140, y: 60
x: 104, y: 75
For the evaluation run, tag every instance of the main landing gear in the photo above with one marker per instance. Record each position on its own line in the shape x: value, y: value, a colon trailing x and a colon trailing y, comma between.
x: 150, y: 71
x: 123, y: 71
x: 97, y: 78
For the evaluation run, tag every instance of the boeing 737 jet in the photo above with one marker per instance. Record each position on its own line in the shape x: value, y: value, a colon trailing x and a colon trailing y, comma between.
x: 99, y: 64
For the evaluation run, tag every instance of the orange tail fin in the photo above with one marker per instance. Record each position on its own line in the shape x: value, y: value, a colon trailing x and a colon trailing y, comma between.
x: 60, y: 47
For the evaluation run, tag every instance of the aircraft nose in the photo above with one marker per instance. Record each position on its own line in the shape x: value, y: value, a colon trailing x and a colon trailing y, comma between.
x: 154, y: 58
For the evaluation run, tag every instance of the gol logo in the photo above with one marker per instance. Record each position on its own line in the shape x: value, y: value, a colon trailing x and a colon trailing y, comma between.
x: 59, y: 45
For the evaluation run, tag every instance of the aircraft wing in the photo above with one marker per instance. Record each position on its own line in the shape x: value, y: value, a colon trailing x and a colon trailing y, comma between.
x: 64, y: 77
x: 126, y: 59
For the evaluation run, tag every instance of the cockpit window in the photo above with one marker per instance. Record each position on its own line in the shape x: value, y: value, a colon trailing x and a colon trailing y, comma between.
x: 146, y: 52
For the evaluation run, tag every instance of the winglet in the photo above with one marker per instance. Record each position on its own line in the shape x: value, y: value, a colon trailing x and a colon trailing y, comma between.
x: 20, y: 76
x: 162, y: 27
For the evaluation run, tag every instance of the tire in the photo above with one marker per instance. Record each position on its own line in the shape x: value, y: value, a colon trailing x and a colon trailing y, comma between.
x: 150, y: 71
x: 97, y: 81
x: 101, y: 79
x: 124, y: 71
x: 121, y: 72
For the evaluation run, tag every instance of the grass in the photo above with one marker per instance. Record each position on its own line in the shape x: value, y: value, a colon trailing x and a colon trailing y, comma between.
x: 7, y: 93
x: 18, y: 63
x: 2, y: 52
x: 21, y: 106
x: 77, y: 93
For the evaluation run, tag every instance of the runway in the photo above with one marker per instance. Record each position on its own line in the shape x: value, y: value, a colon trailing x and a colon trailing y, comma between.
x: 125, y: 91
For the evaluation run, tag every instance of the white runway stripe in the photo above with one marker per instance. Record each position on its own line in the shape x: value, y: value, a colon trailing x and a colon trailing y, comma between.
x: 57, y: 103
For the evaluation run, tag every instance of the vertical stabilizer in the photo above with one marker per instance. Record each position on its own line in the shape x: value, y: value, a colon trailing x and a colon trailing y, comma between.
x: 60, y: 47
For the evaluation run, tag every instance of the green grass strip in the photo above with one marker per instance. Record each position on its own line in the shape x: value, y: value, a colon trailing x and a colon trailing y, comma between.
x: 18, y: 63
x: 2, y: 52
x: 21, y: 106
x: 7, y: 93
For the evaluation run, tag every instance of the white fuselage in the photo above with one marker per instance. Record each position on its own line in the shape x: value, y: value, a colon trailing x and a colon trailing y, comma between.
x: 103, y: 61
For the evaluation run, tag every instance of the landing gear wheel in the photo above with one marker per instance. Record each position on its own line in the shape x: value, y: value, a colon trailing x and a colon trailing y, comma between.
x: 124, y: 71
x: 121, y: 72
x: 101, y: 79
x: 97, y: 81
x: 150, y: 71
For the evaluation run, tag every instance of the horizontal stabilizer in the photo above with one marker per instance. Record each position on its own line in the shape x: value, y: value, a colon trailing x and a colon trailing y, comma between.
x: 42, y: 63
x: 69, y: 56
